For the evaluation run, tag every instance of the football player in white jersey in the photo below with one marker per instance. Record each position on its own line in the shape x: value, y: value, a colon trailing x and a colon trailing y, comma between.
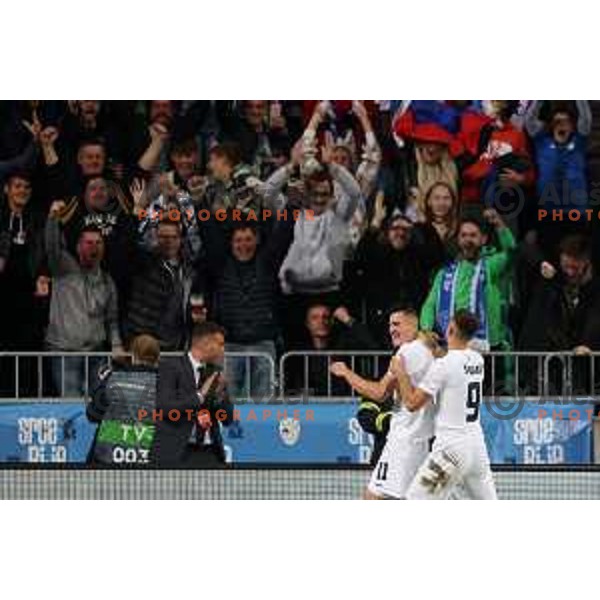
x: 408, y: 439
x: 454, y: 385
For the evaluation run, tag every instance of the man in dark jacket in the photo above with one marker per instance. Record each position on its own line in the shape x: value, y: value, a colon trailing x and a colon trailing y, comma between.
x: 159, y: 302
x: 390, y: 268
x: 94, y: 120
x: 21, y: 314
x: 122, y: 403
x: 66, y: 176
x: 564, y: 309
x: 244, y: 273
x: 21, y: 247
x: 192, y: 400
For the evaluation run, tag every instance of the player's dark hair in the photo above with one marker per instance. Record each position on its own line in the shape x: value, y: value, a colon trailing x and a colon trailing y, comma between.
x: 206, y: 329
x: 407, y: 309
x: 466, y: 323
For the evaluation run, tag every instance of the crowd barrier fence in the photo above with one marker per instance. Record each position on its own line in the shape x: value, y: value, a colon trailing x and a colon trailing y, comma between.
x: 39, y: 375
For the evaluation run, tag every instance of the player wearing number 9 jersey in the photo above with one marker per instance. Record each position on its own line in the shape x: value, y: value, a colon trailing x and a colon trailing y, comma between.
x: 453, y: 385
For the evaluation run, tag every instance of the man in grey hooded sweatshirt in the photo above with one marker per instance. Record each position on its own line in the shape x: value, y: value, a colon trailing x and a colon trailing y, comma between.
x: 315, y: 260
x: 314, y: 263
x: 83, y: 305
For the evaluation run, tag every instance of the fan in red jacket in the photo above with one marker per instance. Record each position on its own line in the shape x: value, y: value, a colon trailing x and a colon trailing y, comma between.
x: 471, y: 122
x: 502, y: 155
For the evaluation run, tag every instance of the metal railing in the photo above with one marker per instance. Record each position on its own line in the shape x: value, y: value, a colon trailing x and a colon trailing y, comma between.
x: 514, y: 374
x: 307, y: 373
x: 304, y: 373
x: 53, y: 375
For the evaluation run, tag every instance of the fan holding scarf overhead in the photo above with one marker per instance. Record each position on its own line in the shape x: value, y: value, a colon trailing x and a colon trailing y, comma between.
x: 478, y: 280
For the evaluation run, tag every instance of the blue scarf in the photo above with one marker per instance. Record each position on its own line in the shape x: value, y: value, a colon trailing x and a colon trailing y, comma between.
x: 447, y: 294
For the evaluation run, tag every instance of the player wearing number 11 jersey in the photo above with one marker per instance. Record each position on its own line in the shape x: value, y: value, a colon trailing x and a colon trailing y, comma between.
x: 453, y: 385
x: 409, y: 433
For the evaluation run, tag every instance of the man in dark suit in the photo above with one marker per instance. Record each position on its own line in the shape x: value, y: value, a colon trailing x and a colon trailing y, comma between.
x: 193, y: 387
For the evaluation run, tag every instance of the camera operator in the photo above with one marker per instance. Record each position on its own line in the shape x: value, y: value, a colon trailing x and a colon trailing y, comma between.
x: 118, y: 399
x: 193, y: 387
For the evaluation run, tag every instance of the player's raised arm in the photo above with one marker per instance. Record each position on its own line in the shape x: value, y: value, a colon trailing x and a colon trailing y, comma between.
x: 374, y: 390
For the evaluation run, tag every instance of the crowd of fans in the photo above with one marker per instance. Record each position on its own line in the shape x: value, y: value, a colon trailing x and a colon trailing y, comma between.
x: 335, y: 211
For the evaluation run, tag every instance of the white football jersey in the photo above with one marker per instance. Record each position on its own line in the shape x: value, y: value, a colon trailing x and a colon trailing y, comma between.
x: 455, y: 382
x: 417, y: 359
